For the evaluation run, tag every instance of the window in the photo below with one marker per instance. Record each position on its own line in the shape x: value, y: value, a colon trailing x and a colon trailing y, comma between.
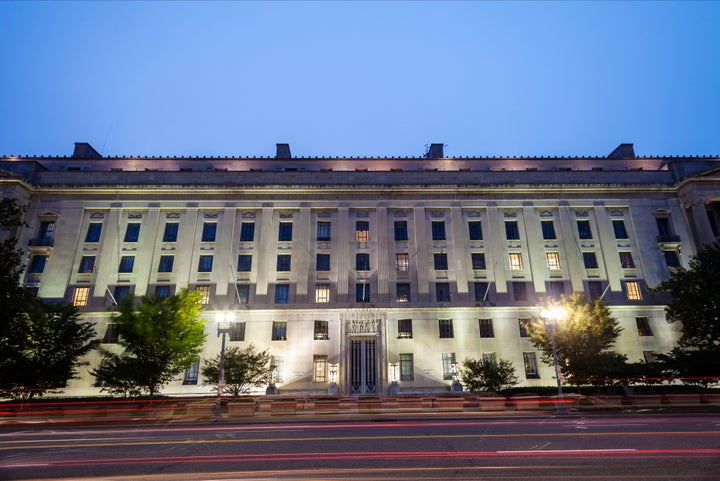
x: 530, y: 362
x: 37, y: 264
x: 548, y: 229
x: 111, y: 334
x: 362, y: 292
x: 445, y: 327
x: 401, y: 230
x: 643, y: 326
x: 438, y: 230
x: 285, y: 232
x: 208, y: 232
x: 243, y: 293
x: 649, y: 356
x: 244, y: 263
x: 237, y: 331
x: 319, y: 368
x: 205, y: 264
x: 405, y: 330
x: 402, y: 261
x: 512, y: 232
x: 87, y: 264
x: 93, y: 232
x: 407, y: 370
x: 590, y: 260
x: 282, y: 294
x: 553, y: 261
x: 522, y: 325
x: 626, y: 260
x: 475, y: 230
x: 489, y: 357
x: 162, y: 291
x: 516, y: 261
x: 481, y: 291
x: 478, y: 261
x: 126, y: 264
x: 672, y: 259
x: 247, y: 231
x: 278, y: 363
x: 440, y: 262
x: 448, y: 365
x: 166, y: 263
x: 132, y: 232
x: 442, y: 292
x: 362, y: 231
x: 402, y: 292
x: 47, y: 230
x: 279, y: 330
x: 619, y: 229
x: 633, y: 290
x: 322, y: 293
x: 486, y: 328
x: 191, y: 373
x: 283, y: 262
x: 556, y: 289
x: 584, y: 229
x: 121, y: 292
x: 205, y: 293
x: 595, y: 289
x: 80, y: 296
x: 320, y: 332
x: 519, y: 291
x: 171, y: 232
x: 322, y: 262
x: 323, y: 231
x: 362, y: 262
x: 664, y: 229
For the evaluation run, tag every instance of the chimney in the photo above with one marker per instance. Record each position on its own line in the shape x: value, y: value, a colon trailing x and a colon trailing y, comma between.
x: 282, y: 151
x: 435, y: 151
x: 623, y: 151
x: 83, y: 150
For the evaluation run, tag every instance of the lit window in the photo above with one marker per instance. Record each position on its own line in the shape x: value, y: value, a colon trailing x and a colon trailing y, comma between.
x: 475, y: 230
x: 440, y: 262
x: 405, y: 330
x: 205, y: 263
x: 279, y: 330
x: 171, y: 232
x: 323, y: 231
x: 285, y: 232
x: 548, y: 229
x: 402, y: 261
x: 320, y: 332
x: 322, y: 293
x: 80, y: 296
x: 530, y: 363
x: 283, y: 262
x: 132, y: 232
x: 247, y: 231
x: 643, y: 326
x: 553, y: 261
x: 208, y: 232
x: 633, y: 290
x: 516, y: 261
x: 626, y: 260
x: 282, y: 294
x: 244, y: 263
x: 438, y: 230
x: 87, y: 264
x: 205, y: 293
x: 322, y: 262
x: 402, y: 292
x: 448, y: 361
x: 362, y: 231
x: 401, y: 231
x: 486, y: 328
x: 407, y: 370
x: 445, y: 327
x: 319, y: 368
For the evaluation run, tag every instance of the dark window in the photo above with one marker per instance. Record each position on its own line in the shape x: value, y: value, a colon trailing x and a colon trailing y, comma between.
x: 584, y: 229
x: 93, y: 232
x: 205, y: 264
x: 285, y: 232
x: 323, y: 231
x: 244, y: 263
x: 643, y: 326
x: 405, y: 330
x: 37, y: 264
x: 126, y: 264
x: 531, y: 368
x: 402, y: 290
x: 556, y: 289
x: 548, y: 229
x: 671, y: 258
x: 401, y: 230
x: 247, y: 231
x: 440, y: 262
x: 279, y: 331
x: 519, y: 291
x: 362, y: 262
x: 445, y: 328
x: 162, y: 291
x: 590, y: 260
x: 478, y: 261
x: 87, y: 264
x: 282, y: 294
x: 407, y: 370
x: 47, y: 230
x: 595, y: 289
x: 481, y: 291
x: 132, y: 232
x: 442, y: 292
x: 320, y: 332
x: 166, y: 263
x: 512, y: 232
x: 208, y: 232
x: 663, y: 224
x: 111, y: 334
x: 243, y: 293
x: 237, y: 331
x: 522, y: 325
x: 626, y: 260
x: 121, y: 292
x: 438, y: 230
x: 475, y: 229
x: 619, y: 228
x: 322, y: 262
x: 486, y: 328
x: 362, y: 292
x: 283, y: 262
x: 171, y: 232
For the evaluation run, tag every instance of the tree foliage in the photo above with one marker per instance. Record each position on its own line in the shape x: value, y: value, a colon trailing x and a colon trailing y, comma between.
x: 489, y: 376
x: 582, y: 339
x: 160, y: 337
x: 244, y: 369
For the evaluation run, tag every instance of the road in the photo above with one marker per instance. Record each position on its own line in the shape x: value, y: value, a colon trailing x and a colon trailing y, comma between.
x: 622, y: 447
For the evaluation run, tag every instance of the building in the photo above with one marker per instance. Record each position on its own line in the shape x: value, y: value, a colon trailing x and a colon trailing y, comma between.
x: 366, y: 270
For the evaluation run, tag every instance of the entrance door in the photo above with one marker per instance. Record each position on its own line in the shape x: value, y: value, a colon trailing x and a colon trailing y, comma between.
x: 363, y: 366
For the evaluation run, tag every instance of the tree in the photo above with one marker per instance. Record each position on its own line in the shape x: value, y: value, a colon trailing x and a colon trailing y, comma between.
x: 244, y: 369
x: 481, y: 375
x: 582, y: 339
x: 161, y: 337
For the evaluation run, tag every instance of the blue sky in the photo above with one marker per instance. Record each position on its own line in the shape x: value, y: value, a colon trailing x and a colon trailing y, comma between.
x: 360, y: 78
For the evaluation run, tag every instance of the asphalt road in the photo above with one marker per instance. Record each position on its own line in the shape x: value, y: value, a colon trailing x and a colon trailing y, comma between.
x: 622, y: 447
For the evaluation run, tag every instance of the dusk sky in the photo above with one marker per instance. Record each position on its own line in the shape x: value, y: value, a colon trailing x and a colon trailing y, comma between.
x: 360, y: 78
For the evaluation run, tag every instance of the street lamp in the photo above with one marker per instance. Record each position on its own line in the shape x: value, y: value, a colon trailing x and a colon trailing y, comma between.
x: 555, y: 314
x: 224, y: 325
x: 333, y: 389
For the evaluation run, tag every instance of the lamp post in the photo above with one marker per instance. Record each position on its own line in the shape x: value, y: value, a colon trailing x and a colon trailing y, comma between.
x: 455, y: 386
x: 224, y: 325
x: 333, y: 389
x: 394, y: 389
x: 555, y: 314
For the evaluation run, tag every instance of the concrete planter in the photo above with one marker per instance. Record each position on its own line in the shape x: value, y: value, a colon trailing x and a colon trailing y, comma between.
x: 326, y: 406
x: 492, y: 403
x: 283, y: 407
